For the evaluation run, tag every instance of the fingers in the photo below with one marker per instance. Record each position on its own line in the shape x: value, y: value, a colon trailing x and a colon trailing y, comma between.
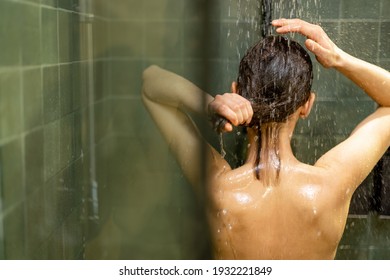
x: 318, y: 42
x: 228, y: 127
x: 243, y: 109
x: 315, y: 48
x: 236, y: 109
x: 309, y: 30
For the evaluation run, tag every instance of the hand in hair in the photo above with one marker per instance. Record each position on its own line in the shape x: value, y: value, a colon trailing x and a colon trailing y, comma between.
x: 318, y: 42
x: 234, y: 108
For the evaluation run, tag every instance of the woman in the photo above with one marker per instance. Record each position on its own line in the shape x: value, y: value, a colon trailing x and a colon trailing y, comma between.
x: 273, y: 206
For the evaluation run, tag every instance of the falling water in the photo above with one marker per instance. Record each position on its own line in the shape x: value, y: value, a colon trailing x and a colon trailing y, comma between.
x: 307, y: 10
x: 244, y: 24
x: 253, y: 18
x: 223, y: 152
x: 250, y: 20
x: 266, y: 10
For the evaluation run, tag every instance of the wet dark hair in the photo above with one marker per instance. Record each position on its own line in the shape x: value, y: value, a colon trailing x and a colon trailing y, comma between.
x: 276, y: 76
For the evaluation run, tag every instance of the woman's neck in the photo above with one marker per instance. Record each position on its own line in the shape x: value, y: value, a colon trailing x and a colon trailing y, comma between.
x: 275, y: 146
x: 280, y: 133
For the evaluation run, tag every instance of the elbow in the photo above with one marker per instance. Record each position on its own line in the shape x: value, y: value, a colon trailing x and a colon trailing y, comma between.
x: 149, y: 72
x: 148, y: 75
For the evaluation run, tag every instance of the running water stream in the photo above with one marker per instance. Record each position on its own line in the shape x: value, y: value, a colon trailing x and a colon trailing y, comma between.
x: 266, y: 10
x: 251, y: 20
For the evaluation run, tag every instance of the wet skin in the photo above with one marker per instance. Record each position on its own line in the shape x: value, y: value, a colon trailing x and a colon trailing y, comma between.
x: 283, y: 218
x: 286, y: 221
x: 299, y: 213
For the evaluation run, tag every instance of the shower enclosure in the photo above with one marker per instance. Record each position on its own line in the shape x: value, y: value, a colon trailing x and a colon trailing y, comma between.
x: 84, y: 173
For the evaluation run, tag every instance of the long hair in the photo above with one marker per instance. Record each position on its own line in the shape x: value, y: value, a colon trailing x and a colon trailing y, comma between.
x: 276, y: 76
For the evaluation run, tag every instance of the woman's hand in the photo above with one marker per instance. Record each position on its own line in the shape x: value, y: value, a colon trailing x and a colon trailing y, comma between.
x: 233, y: 107
x: 326, y: 52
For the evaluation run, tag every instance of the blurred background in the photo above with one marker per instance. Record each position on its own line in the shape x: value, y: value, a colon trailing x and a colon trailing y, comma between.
x: 84, y: 173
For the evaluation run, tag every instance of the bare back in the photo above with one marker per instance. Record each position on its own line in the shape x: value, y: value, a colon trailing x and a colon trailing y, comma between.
x: 251, y: 221
x: 303, y: 214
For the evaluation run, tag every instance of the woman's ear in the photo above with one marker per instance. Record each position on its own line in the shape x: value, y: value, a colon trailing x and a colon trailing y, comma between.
x: 306, y: 108
x: 234, y: 87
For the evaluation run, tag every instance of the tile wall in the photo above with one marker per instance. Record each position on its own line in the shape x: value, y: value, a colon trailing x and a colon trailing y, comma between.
x: 56, y: 137
x: 45, y: 131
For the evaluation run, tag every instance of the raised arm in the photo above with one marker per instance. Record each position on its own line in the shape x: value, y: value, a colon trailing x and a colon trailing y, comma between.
x: 374, y: 80
x: 169, y: 98
x: 352, y: 160
x: 167, y: 88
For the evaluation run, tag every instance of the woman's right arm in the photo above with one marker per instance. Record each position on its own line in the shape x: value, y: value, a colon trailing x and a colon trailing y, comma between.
x: 374, y: 80
x: 352, y: 160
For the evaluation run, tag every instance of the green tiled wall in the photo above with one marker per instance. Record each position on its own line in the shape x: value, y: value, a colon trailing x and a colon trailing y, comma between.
x: 55, y: 138
x: 365, y: 237
x: 45, y: 129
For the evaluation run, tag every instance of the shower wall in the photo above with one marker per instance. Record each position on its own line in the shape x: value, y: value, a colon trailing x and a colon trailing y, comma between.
x: 84, y: 173
x: 46, y: 116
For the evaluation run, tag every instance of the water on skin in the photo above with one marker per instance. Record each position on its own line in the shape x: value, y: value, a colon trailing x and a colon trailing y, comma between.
x: 239, y: 42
